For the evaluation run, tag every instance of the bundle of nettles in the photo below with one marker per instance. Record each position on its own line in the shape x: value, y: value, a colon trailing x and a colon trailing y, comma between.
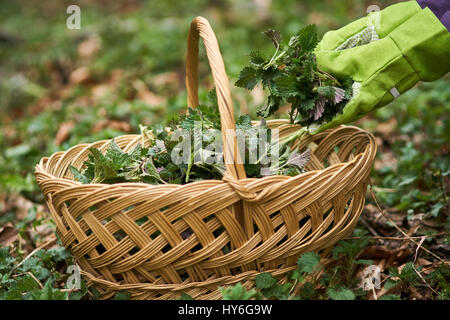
x: 153, y: 164
x: 292, y: 77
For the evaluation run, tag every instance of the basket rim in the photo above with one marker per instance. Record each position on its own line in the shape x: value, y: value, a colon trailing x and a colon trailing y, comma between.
x: 40, y: 166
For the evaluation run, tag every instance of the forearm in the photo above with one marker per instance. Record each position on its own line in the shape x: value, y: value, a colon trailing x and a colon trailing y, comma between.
x: 440, y: 8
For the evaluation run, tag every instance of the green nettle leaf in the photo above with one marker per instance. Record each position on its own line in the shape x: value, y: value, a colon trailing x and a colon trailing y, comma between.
x: 212, y: 98
x: 36, y: 266
x: 256, y: 59
x: 265, y: 281
x: 116, y: 156
x: 49, y: 293
x: 309, y: 262
x: 78, y: 175
x: 244, y: 122
x: 6, y: 261
x: 77, y: 295
x: 390, y: 284
x: 309, y: 104
x: 341, y: 294
x: 326, y: 91
x: 27, y: 283
x: 309, y: 66
x: 268, y: 76
x: 286, y: 86
x: 436, y: 209
x: 152, y: 171
x: 104, y: 168
x: 136, y: 153
x: 349, y: 248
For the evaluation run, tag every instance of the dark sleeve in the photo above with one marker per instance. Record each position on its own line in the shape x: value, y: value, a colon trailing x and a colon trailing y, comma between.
x: 441, y: 9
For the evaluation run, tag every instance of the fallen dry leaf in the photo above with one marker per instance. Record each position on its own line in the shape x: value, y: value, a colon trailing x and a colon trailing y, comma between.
x: 387, y: 159
x: 445, y: 247
x: 146, y: 95
x: 151, y: 98
x: 89, y: 47
x: 63, y: 132
x: 79, y: 76
x: 317, y: 18
x: 167, y: 79
x: 392, y: 256
x: 386, y: 129
x: 415, y: 293
x: 21, y: 204
x: 112, y: 124
x: 432, y: 223
x: 423, y: 262
x: 413, y: 228
x: 101, y: 90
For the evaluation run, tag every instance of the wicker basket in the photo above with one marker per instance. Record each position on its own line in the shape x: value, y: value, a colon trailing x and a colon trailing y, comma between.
x: 265, y: 223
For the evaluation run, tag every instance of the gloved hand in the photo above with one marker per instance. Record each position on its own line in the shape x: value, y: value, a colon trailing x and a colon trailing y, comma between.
x: 413, y: 46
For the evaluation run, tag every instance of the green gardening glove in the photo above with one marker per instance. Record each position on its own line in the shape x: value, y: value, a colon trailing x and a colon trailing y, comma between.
x: 409, y: 44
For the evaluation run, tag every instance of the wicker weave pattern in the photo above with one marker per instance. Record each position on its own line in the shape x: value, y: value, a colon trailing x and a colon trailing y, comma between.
x: 157, y: 241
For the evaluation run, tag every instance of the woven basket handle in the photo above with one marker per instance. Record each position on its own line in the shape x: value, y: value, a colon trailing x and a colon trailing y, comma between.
x: 200, y: 27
